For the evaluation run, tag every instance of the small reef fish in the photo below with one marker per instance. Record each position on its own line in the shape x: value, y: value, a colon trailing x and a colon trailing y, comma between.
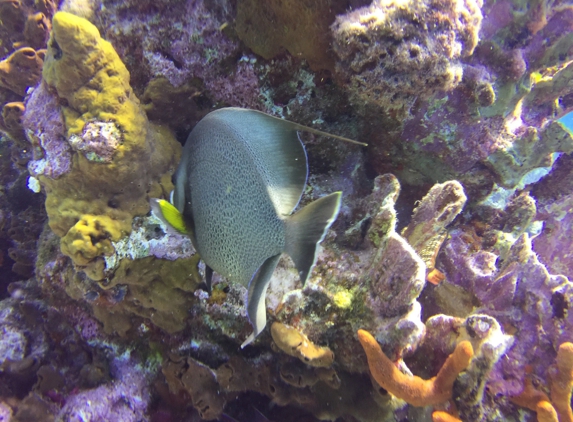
x: 241, y: 175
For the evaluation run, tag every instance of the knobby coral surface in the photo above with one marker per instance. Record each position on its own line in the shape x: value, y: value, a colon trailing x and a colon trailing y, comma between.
x: 111, y: 160
x: 391, y: 53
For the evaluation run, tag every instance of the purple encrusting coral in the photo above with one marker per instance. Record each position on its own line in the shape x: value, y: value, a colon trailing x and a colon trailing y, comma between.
x: 519, y: 293
x: 200, y: 47
x: 553, y: 243
x: 188, y: 43
x: 45, y: 129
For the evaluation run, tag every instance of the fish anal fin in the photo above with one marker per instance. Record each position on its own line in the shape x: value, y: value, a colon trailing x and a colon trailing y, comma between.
x: 305, y: 230
x: 256, y: 308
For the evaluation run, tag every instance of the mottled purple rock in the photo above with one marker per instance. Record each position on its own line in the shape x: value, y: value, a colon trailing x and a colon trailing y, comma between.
x: 553, y: 245
x: 5, y: 412
x: 473, y: 270
x: 397, y: 276
x: 187, y: 43
x: 45, y: 129
x: 239, y: 89
x: 125, y: 398
x: 520, y: 293
x: 22, y: 345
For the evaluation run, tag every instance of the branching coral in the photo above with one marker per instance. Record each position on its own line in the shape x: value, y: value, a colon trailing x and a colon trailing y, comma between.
x: 533, y: 149
x: 412, y: 389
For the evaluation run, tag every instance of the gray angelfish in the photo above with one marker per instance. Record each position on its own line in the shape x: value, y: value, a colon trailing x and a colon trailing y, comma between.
x: 241, y: 175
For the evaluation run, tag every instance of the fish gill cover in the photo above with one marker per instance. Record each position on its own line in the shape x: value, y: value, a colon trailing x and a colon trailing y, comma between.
x: 450, y: 256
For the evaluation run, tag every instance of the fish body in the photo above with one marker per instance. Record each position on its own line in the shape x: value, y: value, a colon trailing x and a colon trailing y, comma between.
x: 241, y: 175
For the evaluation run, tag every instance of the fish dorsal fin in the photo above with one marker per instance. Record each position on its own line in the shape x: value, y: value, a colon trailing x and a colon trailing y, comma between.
x: 278, y: 153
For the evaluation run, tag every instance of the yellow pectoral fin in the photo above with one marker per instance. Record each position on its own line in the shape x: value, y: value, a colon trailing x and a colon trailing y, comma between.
x: 169, y: 214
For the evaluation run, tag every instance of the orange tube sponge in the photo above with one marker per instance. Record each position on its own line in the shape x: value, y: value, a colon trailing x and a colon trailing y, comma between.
x: 441, y: 416
x: 562, y: 383
x: 546, y: 412
x: 530, y: 397
x: 414, y: 390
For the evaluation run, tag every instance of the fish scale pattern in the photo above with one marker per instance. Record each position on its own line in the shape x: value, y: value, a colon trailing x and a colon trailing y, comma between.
x: 237, y: 228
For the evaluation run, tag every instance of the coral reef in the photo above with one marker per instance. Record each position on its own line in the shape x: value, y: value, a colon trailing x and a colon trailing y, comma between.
x: 453, y: 234
x: 125, y: 398
x: 538, y: 299
x: 180, y: 41
x: 559, y: 407
x: 22, y: 218
x: 427, y: 230
x: 562, y: 382
x: 20, y: 70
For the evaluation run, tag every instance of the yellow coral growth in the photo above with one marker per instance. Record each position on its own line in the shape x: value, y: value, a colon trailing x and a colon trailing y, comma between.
x: 296, y: 344
x: 414, y: 390
x: 91, y: 237
x: 88, y: 73
x: 92, y: 84
x: 546, y: 412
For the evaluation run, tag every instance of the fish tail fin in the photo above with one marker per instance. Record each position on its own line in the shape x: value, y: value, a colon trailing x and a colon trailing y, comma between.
x: 305, y: 230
